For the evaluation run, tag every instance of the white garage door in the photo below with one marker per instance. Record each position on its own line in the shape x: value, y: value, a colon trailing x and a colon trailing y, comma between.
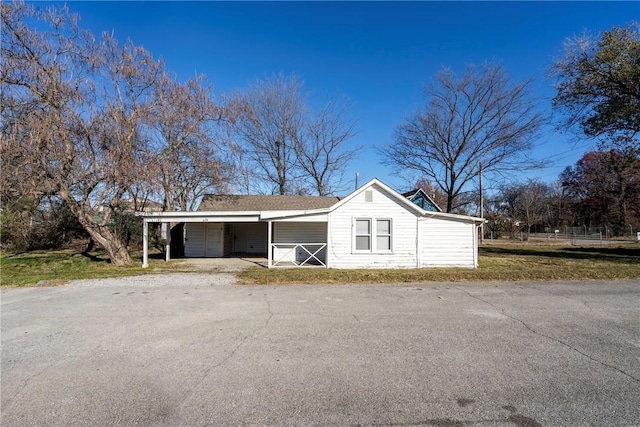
x: 250, y: 238
x: 204, y: 239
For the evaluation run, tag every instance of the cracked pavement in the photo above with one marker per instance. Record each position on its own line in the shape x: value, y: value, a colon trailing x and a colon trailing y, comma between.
x: 196, y: 350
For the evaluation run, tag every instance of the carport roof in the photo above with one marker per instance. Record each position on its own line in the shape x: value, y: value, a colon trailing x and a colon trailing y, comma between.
x: 239, y: 203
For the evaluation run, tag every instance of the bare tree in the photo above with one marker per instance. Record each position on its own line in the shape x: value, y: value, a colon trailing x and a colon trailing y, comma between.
x: 286, y: 144
x: 268, y: 123
x: 533, y: 203
x: 524, y: 205
x: 501, y: 211
x: 22, y: 185
x: 45, y: 79
x: 477, y: 121
x: 322, y: 150
x: 77, y: 107
x: 189, y: 152
x: 97, y: 124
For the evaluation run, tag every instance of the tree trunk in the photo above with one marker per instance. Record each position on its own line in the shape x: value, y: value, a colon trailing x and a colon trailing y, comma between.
x: 90, y: 245
x: 449, y: 203
x: 116, y: 249
x: 114, y: 246
x: 100, y: 233
x: 118, y: 252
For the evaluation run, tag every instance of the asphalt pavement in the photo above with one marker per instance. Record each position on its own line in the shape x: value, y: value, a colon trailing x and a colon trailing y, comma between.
x: 196, y: 350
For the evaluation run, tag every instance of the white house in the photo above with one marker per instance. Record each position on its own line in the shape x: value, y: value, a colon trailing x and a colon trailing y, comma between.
x: 373, y: 227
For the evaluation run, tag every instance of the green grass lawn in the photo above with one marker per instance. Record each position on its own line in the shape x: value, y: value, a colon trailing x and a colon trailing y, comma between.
x: 49, y: 268
x: 498, y: 262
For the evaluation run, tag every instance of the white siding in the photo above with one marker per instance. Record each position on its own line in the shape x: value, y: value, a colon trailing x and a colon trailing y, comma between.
x: 250, y: 238
x: 291, y: 232
x: 257, y: 238
x: 277, y: 216
x: 381, y: 206
x: 447, y: 243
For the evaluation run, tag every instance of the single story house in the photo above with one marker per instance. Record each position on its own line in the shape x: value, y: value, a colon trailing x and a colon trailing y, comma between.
x: 373, y: 227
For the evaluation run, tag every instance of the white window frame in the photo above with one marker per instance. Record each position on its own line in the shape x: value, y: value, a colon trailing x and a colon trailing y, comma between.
x: 390, y: 235
x: 373, y: 235
x: 356, y: 235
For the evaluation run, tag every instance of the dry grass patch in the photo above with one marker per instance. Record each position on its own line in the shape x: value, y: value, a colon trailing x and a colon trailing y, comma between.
x: 497, y: 263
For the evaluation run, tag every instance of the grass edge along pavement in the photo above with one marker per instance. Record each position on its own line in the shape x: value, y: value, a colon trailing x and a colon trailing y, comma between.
x: 57, y: 267
x: 497, y: 263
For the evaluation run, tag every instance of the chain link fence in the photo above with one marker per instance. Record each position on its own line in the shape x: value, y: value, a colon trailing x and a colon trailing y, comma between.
x: 576, y: 235
x: 586, y: 234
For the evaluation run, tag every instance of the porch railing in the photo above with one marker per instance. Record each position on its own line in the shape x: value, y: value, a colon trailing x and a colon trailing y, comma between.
x: 287, y: 254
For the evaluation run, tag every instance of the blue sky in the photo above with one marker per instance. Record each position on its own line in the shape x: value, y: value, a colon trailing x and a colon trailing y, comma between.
x: 378, y: 54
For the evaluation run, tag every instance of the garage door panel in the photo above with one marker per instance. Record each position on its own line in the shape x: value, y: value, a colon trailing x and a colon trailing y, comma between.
x: 194, y: 245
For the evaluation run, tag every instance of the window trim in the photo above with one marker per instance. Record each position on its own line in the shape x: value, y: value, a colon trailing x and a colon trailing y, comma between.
x: 356, y: 235
x: 373, y: 235
x: 390, y: 235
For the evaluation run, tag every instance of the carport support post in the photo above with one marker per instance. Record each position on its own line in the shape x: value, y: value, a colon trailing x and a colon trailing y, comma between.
x: 269, y: 249
x: 167, y: 250
x: 145, y: 243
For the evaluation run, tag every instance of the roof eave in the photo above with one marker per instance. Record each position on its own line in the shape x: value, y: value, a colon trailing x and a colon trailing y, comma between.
x: 292, y: 213
x: 196, y: 214
x: 375, y: 181
x: 454, y: 216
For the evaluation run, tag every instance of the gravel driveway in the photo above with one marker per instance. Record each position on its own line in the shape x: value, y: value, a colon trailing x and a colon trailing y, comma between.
x: 196, y: 349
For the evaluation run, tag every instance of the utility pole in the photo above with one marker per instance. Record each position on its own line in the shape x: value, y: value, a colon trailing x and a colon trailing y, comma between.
x: 481, y: 207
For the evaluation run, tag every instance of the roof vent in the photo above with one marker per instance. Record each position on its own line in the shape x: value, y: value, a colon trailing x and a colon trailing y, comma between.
x: 368, y: 196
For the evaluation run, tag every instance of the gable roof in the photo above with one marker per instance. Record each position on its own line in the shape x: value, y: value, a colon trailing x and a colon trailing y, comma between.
x: 243, y: 206
x: 411, y: 194
x: 238, y: 203
x: 394, y: 194
x: 406, y: 202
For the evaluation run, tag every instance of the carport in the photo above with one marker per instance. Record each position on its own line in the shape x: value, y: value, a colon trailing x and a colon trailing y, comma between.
x: 208, y: 230
x: 217, y: 239
x: 289, y: 230
x: 286, y: 240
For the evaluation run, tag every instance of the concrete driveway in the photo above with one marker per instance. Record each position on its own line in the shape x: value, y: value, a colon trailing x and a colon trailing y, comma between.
x: 196, y: 350
x: 216, y: 265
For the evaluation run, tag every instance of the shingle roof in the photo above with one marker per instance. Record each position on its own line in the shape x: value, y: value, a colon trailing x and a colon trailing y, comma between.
x: 221, y: 202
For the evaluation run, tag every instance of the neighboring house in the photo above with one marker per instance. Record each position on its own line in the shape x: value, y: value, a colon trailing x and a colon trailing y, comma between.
x: 373, y: 227
x: 422, y: 199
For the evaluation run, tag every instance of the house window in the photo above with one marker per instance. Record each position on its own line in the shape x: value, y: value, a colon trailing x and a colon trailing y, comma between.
x: 373, y: 235
x: 383, y: 235
x: 363, y: 234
